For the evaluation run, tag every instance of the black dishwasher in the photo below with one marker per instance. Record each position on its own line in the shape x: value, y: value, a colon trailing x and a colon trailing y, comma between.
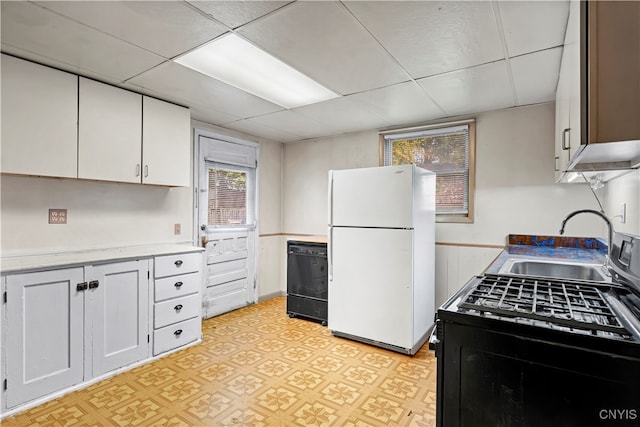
x: 307, y: 280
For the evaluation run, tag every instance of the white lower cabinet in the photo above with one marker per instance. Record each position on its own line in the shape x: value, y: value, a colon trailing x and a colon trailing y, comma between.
x: 177, y: 301
x: 43, y: 336
x: 118, y: 312
x: 67, y: 326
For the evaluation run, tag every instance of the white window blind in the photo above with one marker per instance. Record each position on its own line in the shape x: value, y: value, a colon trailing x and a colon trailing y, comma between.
x: 230, y: 195
x: 443, y: 150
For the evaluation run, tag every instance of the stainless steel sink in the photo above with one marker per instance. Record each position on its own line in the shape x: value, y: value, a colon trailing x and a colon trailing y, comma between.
x: 561, y: 270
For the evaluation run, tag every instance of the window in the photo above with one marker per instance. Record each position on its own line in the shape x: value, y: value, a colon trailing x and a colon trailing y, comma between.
x: 228, y: 198
x: 447, y: 150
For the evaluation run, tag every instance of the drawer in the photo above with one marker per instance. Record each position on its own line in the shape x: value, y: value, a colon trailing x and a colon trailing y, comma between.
x: 177, y: 286
x: 172, y: 265
x: 177, y: 335
x: 176, y: 310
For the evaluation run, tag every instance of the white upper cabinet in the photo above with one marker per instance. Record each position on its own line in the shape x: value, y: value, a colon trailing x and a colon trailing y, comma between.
x: 110, y: 133
x: 598, y: 95
x: 166, y: 143
x: 39, y: 120
x: 568, y: 97
x: 57, y: 124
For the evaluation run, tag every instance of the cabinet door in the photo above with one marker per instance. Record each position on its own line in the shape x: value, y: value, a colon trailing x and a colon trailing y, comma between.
x: 166, y: 143
x: 117, y: 317
x: 574, y: 79
x: 44, y: 327
x: 39, y: 120
x: 109, y: 133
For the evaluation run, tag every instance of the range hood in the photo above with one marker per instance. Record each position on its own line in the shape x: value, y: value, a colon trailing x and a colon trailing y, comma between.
x: 607, y: 156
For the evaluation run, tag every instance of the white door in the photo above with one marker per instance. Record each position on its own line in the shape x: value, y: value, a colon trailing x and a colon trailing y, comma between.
x: 44, y: 324
x: 228, y: 221
x: 370, y: 284
x: 117, y: 315
x: 372, y: 197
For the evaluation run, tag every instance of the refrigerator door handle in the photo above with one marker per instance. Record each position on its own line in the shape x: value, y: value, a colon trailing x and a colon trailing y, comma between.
x: 330, y: 254
x: 330, y: 201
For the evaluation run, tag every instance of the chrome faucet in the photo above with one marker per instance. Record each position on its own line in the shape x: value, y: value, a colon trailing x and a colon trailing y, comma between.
x: 601, y: 215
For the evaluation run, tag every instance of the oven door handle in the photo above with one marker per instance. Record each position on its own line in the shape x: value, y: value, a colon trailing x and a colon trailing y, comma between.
x: 434, y: 340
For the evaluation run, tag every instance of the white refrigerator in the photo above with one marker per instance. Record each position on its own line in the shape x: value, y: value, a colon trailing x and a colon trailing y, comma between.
x: 381, y: 249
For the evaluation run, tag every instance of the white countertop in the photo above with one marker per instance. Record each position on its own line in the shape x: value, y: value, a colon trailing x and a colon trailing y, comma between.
x: 84, y: 257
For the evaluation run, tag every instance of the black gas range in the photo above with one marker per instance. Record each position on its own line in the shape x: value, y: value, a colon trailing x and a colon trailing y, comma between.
x: 533, y: 351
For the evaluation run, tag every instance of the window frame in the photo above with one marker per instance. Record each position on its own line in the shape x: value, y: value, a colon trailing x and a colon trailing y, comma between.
x: 251, y: 204
x: 467, y: 218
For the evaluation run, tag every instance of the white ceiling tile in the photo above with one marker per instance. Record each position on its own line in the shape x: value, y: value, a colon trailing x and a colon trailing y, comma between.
x: 33, y: 29
x: 295, y: 123
x: 322, y: 40
x: 402, y: 103
x: 186, y: 84
x: 238, y: 12
x: 472, y: 90
x: 536, y: 76
x: 52, y: 62
x: 530, y: 26
x: 167, y: 28
x: 429, y: 37
x: 344, y: 115
x: 256, y: 129
x: 198, y: 111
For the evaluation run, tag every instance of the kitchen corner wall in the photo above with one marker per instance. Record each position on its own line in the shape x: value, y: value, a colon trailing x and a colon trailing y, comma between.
x: 515, y: 189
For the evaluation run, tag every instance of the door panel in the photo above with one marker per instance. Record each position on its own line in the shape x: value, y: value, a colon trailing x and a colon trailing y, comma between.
x: 43, y: 333
x: 370, y: 286
x: 372, y: 197
x: 227, y: 281
x: 117, y: 315
x: 226, y: 214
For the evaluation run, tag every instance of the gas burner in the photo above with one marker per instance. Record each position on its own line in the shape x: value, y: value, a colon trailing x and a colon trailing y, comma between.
x: 575, y: 304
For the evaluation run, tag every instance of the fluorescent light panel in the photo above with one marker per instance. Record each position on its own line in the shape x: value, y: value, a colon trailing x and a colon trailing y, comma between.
x: 238, y: 63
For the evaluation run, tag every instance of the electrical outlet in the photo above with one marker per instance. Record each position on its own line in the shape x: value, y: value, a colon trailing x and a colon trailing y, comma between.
x: 57, y: 216
x: 176, y: 229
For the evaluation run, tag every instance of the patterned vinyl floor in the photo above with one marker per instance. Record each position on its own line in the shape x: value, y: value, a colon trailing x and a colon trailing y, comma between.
x: 257, y: 367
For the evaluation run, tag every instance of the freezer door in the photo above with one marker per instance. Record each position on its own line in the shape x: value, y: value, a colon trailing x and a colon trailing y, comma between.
x: 370, y: 289
x: 371, y: 197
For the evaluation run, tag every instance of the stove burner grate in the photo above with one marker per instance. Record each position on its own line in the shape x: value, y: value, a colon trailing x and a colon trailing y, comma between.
x: 569, y: 303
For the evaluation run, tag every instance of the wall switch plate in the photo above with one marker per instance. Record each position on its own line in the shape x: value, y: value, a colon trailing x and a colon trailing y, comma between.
x: 176, y: 229
x: 57, y: 216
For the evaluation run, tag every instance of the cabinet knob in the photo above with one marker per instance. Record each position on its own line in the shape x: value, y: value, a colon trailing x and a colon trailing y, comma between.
x: 178, y: 307
x: 94, y: 284
x: 178, y: 263
x: 178, y: 332
x: 82, y: 286
x: 178, y: 285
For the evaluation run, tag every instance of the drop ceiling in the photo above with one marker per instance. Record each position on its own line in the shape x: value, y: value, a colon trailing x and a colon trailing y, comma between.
x: 394, y: 63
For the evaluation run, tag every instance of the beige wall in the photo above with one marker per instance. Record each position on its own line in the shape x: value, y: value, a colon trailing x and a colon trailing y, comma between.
x: 515, y: 189
x: 625, y: 189
x: 100, y: 214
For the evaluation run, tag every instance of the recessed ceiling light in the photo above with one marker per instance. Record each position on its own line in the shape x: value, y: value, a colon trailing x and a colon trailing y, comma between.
x: 239, y: 63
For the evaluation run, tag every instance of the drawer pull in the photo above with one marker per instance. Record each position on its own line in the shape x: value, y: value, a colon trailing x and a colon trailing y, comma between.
x: 178, y: 307
x: 178, y: 285
x: 178, y: 332
x: 178, y: 263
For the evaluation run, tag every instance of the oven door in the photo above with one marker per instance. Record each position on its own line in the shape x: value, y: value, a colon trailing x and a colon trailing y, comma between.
x: 488, y: 377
